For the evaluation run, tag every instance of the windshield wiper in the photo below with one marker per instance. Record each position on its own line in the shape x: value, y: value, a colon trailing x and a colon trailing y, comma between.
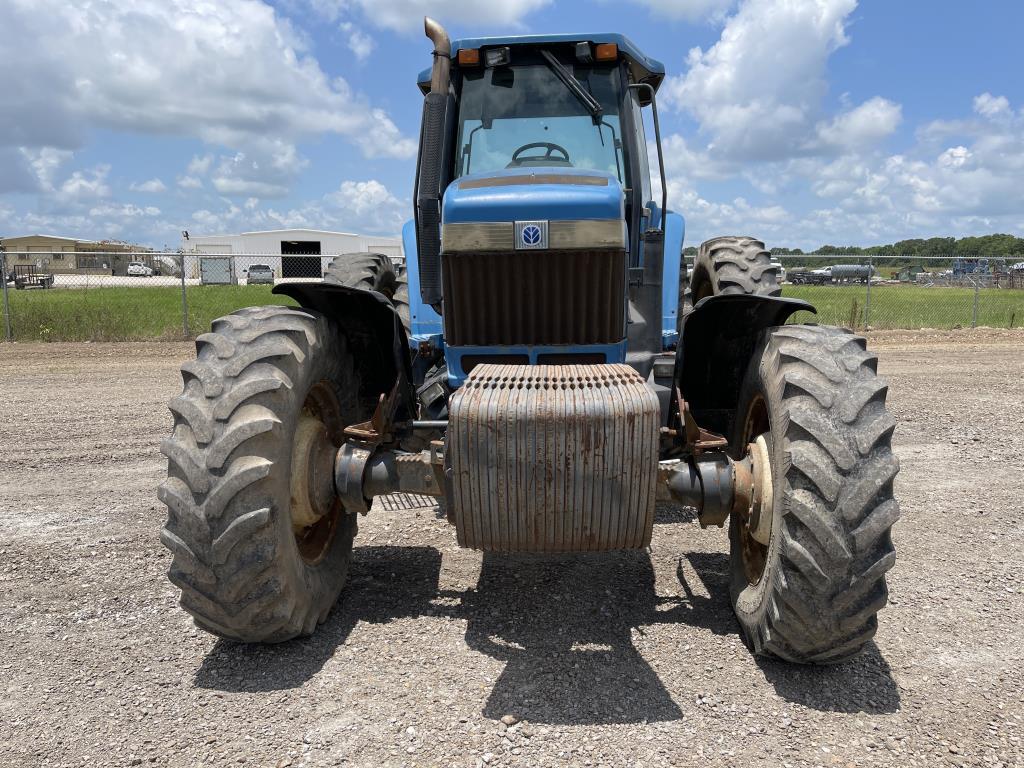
x: 561, y: 71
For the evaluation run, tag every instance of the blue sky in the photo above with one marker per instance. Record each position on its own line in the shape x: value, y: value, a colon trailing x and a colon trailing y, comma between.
x: 803, y: 122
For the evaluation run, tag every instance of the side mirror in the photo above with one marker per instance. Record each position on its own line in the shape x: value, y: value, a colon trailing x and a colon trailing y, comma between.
x: 657, y: 138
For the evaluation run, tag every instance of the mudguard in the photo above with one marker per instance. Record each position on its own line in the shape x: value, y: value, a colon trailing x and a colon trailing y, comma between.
x: 375, y: 335
x: 719, y: 338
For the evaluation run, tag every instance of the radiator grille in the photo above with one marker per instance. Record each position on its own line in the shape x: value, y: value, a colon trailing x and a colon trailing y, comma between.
x: 534, y: 297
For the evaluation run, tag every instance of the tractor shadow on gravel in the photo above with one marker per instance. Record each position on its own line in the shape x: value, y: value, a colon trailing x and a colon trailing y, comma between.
x: 862, y: 684
x: 563, y: 625
x: 384, y: 583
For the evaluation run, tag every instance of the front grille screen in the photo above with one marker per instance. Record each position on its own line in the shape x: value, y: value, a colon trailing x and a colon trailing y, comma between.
x: 534, y: 297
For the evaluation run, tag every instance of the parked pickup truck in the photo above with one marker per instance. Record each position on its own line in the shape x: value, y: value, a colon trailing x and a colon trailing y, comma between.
x: 260, y: 274
x: 138, y: 269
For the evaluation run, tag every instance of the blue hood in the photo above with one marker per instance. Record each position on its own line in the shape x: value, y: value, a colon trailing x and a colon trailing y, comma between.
x: 522, y: 194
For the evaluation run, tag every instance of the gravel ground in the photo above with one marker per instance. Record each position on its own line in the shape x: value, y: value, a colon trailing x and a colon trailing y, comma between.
x: 436, y: 656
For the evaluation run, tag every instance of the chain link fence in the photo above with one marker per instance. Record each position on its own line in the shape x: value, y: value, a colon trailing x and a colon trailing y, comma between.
x: 127, y: 296
x: 912, y: 292
x: 119, y: 296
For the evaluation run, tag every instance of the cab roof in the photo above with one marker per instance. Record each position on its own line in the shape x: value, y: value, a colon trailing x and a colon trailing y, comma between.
x: 644, y: 68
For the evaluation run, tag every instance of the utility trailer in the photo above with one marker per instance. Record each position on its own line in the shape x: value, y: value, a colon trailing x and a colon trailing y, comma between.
x: 217, y: 270
x: 545, y: 366
x: 809, y: 277
x: 31, y: 276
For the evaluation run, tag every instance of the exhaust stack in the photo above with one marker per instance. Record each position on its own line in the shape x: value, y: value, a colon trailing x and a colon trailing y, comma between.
x: 442, y: 55
x: 432, y: 166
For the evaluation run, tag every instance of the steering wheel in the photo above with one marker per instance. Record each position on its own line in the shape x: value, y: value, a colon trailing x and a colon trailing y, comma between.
x: 550, y: 147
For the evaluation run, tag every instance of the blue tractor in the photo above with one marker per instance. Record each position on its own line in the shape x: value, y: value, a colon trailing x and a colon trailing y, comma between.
x: 545, y: 367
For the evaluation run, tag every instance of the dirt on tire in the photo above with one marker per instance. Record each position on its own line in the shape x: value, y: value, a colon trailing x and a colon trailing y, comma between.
x: 440, y: 656
x: 243, y: 572
x: 821, y: 579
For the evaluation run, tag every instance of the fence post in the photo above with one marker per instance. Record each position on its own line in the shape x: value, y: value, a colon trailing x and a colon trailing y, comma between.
x: 7, y: 303
x: 184, y: 299
x: 867, y: 298
x: 974, y: 313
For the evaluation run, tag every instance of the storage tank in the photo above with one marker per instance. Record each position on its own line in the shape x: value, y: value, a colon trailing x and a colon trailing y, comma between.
x: 844, y: 272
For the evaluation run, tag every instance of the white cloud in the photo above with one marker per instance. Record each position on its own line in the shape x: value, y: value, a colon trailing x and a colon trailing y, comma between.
x: 684, y: 160
x: 152, y: 185
x: 200, y: 166
x: 688, y: 10
x: 407, y: 15
x: 954, y: 157
x: 356, y: 206
x: 123, y: 210
x: 190, y: 182
x: 988, y: 105
x: 360, y: 43
x: 861, y: 126
x: 45, y: 161
x: 971, y: 182
x: 867, y: 196
x: 232, y: 73
x: 208, y: 219
x: 708, y: 218
x: 84, y: 186
x: 264, y: 171
x: 757, y: 92
x: 328, y: 9
x: 383, y: 139
x: 242, y: 187
x: 369, y: 201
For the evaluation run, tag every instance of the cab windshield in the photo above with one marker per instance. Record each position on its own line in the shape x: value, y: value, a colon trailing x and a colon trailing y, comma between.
x: 522, y: 115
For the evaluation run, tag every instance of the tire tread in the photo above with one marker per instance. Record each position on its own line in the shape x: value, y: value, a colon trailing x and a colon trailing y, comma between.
x: 839, y: 508
x: 735, y: 265
x: 226, y: 547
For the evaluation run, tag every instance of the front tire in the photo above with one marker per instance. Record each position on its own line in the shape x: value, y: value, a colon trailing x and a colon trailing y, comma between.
x: 812, y: 594
x: 246, y: 569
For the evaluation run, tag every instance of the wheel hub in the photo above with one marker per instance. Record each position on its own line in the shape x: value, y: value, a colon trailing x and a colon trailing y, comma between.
x: 755, y: 511
x: 762, y: 501
x: 312, y: 481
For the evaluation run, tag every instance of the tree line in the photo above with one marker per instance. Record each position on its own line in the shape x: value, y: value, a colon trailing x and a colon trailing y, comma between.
x: 1001, y: 245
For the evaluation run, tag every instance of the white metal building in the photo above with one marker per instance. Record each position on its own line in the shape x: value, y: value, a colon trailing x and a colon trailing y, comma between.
x: 272, y: 244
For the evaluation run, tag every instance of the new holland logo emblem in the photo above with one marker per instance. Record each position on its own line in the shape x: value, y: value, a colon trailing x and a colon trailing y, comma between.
x: 531, y: 234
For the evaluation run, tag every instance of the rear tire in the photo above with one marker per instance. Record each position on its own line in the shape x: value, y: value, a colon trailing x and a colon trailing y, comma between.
x: 244, y: 572
x: 733, y: 265
x: 685, y: 301
x: 373, y: 272
x: 812, y: 594
x: 401, y: 302
x: 367, y: 271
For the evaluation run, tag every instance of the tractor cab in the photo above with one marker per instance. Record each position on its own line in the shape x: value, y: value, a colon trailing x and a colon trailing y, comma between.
x: 534, y: 205
x: 550, y: 101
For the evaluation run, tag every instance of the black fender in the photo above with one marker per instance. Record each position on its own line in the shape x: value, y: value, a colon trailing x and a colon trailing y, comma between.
x: 375, y: 335
x: 717, y: 342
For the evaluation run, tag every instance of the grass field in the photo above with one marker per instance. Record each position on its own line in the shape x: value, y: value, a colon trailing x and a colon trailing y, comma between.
x: 909, y: 306
x: 127, y: 314
x: 136, y: 313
